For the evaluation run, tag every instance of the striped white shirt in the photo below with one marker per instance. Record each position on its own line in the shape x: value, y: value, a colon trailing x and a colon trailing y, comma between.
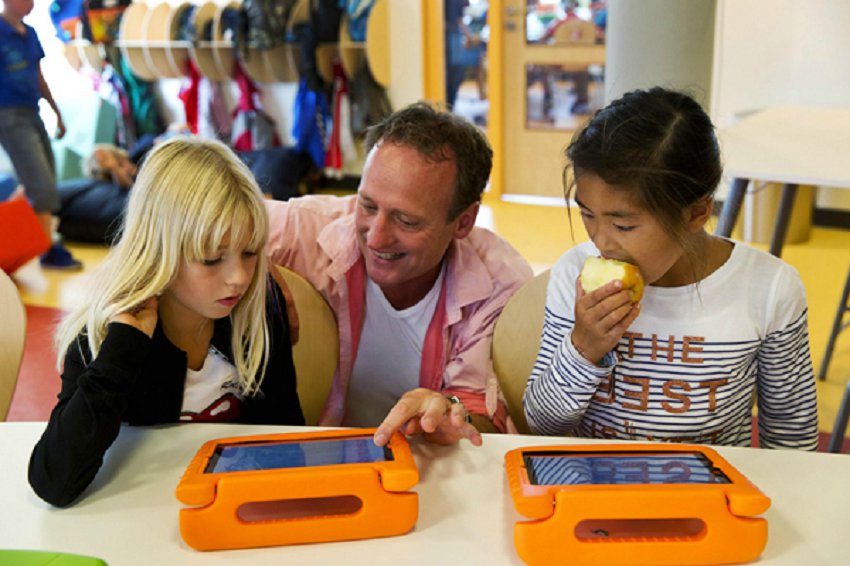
x: 687, y: 368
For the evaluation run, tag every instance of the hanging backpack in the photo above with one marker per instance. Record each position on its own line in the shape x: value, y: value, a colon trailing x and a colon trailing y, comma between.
x: 252, y: 128
x: 264, y: 22
x: 65, y: 15
x: 358, y: 16
x: 369, y: 101
x: 102, y: 18
x: 310, y: 120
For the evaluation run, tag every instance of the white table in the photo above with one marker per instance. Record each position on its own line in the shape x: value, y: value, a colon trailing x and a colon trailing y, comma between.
x: 130, y: 515
x: 789, y: 145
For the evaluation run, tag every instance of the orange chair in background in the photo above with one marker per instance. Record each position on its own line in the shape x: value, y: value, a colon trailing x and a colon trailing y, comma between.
x: 21, y: 236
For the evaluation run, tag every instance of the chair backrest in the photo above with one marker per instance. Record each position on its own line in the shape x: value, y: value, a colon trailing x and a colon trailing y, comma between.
x: 13, y: 325
x: 516, y: 341
x: 317, y: 351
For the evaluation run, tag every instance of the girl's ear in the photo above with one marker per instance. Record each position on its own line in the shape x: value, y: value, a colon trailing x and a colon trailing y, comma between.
x: 699, y: 213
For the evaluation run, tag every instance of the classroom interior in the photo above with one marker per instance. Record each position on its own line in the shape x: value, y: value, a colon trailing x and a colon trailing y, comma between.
x: 820, y: 251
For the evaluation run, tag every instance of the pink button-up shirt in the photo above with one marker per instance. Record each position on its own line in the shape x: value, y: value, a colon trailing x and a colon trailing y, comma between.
x: 315, y: 236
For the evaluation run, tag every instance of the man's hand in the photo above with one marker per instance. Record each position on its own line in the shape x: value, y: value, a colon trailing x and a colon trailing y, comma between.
x: 291, y: 311
x: 430, y: 413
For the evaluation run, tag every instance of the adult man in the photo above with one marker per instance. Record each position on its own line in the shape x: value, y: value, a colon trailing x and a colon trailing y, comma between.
x: 415, y: 286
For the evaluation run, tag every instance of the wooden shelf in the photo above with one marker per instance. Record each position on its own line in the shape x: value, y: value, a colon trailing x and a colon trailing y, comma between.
x: 148, y: 43
x: 378, y: 42
x: 374, y: 51
x: 203, y: 54
x: 132, y: 31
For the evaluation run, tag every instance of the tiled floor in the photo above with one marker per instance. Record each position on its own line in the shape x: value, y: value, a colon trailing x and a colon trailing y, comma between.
x: 542, y: 234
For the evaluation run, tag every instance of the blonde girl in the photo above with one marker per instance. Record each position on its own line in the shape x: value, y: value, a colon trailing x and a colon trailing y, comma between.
x: 178, y: 325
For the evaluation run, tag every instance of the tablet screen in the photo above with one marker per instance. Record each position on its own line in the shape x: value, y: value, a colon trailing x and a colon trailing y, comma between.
x: 618, y: 468
x: 275, y: 455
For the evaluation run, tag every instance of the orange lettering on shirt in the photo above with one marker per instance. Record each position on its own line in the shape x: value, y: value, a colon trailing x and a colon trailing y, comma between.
x: 609, y: 432
x: 670, y: 348
x: 630, y: 342
x: 642, y: 395
x: 683, y: 399
x: 712, y: 391
x: 605, y: 391
x: 688, y: 348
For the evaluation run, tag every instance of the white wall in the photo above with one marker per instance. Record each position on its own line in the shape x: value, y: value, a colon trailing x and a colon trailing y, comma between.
x: 659, y: 43
x: 770, y: 52
x: 780, y: 52
x: 752, y: 52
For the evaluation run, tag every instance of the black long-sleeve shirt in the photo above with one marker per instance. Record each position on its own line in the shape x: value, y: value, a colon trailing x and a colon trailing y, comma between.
x: 140, y: 380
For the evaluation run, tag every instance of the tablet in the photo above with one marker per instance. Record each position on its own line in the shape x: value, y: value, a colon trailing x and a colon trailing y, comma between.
x: 636, y: 504
x: 295, y: 488
x: 272, y: 455
x: 623, y: 468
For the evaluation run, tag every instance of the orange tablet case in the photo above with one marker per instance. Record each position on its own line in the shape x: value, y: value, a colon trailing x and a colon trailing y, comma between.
x: 344, y: 501
x: 660, y: 523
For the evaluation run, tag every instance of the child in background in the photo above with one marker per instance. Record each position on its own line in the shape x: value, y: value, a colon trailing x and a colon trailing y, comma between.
x: 178, y: 325
x: 719, y: 322
x: 22, y: 133
x: 111, y: 164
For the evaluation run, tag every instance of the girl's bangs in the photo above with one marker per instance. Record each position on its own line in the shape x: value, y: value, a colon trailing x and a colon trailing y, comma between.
x: 240, y: 222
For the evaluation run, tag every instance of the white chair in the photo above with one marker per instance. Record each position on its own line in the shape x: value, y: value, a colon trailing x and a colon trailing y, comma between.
x: 13, y: 325
x: 516, y: 341
x: 317, y: 351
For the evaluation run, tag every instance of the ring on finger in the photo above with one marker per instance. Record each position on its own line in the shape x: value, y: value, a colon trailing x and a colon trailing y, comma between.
x: 454, y: 400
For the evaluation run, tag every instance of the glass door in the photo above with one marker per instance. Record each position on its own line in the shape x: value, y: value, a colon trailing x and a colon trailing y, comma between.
x: 553, y: 72
x: 466, y: 36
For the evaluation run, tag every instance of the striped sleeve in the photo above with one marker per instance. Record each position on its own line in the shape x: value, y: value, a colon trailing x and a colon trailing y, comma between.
x: 787, y: 396
x: 562, y: 383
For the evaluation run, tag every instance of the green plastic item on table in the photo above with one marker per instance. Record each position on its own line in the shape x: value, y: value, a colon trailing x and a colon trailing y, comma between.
x: 46, y: 558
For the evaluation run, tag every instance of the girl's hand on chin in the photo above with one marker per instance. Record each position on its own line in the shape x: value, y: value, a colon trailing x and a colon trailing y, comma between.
x: 142, y: 317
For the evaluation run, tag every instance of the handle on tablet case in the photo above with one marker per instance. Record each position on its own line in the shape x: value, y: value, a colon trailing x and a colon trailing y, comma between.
x: 675, y: 540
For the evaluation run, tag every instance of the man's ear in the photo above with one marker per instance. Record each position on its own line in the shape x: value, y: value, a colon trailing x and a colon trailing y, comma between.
x: 699, y: 213
x: 466, y: 221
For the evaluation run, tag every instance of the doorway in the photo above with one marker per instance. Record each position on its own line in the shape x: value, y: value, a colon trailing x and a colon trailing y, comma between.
x: 466, y: 36
x: 552, y: 73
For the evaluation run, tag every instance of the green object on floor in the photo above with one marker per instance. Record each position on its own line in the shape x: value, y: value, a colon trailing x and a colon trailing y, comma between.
x: 46, y: 558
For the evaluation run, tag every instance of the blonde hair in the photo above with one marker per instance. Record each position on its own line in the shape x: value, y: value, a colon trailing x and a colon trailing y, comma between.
x: 190, y: 194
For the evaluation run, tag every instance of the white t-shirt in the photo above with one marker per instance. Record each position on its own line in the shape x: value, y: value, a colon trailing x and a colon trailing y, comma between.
x: 212, y: 393
x: 389, y: 354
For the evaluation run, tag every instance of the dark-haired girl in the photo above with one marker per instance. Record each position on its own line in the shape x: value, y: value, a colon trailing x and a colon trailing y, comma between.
x: 720, y: 323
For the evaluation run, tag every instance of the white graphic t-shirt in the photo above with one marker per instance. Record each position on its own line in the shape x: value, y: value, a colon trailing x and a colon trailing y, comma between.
x: 212, y: 393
